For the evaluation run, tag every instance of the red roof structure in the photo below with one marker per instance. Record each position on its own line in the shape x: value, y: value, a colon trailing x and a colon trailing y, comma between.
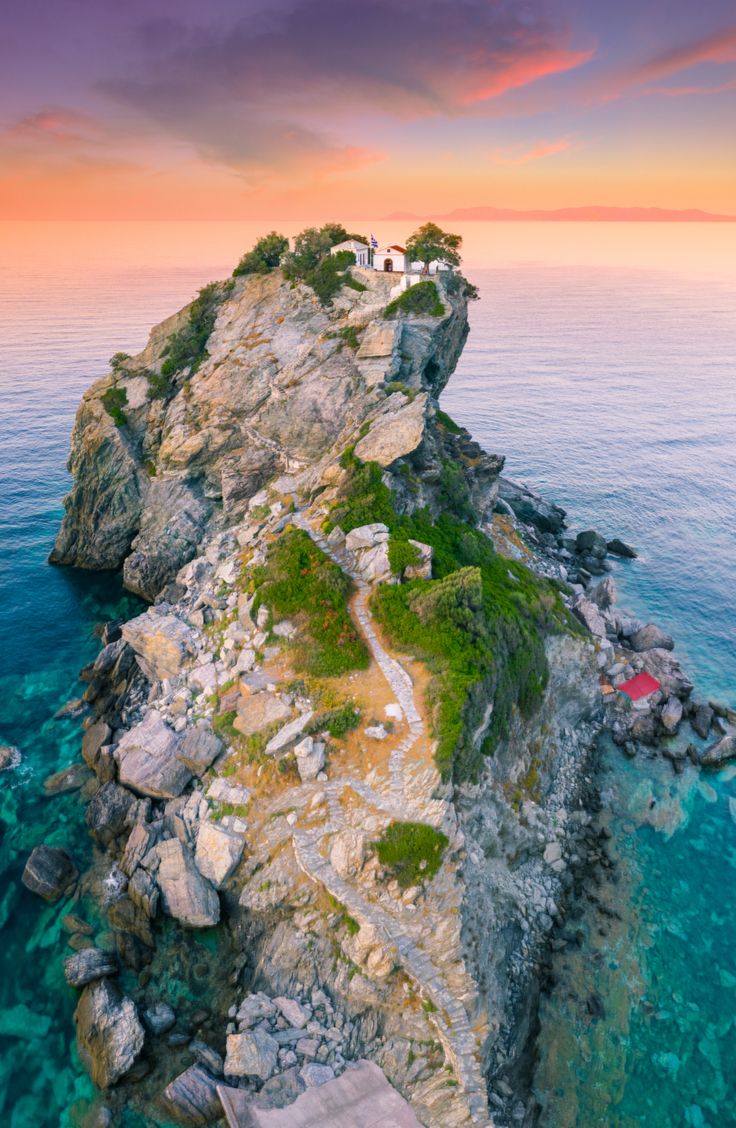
x: 640, y: 686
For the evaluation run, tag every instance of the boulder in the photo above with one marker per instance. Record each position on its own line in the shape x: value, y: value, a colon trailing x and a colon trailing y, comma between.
x: 290, y: 731
x: 372, y: 564
x: 719, y: 753
x: 702, y: 719
x: 259, y: 711
x: 109, y: 1033
x: 68, y: 779
x: 207, y: 1056
x: 191, y: 1098
x: 314, y: 1074
x: 589, y: 615
x: 395, y: 433
x: 310, y: 758
x: 663, y: 665
x: 9, y: 756
x: 199, y: 748
x: 651, y: 637
x: 159, y: 1018
x: 530, y: 508
x: 218, y: 852
x: 347, y: 852
x: 110, y: 813
x: 204, y: 678
x: 162, y: 643
x: 89, y: 964
x: 254, y: 1008
x: 591, y: 543
x: 140, y: 840
x: 252, y: 1053
x: 50, y: 872
x: 234, y: 794
x: 295, y: 1014
x: 366, y: 536
x: 603, y: 594
x: 671, y: 714
x: 148, y: 761
x: 185, y: 894
x: 144, y: 893
x: 621, y: 548
x: 94, y: 737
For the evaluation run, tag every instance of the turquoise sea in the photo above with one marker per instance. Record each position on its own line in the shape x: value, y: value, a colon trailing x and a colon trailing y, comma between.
x: 602, y: 362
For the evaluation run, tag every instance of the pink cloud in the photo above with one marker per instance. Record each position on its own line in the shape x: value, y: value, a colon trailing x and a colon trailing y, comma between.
x: 56, y: 125
x: 536, y: 153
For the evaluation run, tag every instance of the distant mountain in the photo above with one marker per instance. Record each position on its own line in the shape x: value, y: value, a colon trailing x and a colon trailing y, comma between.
x: 598, y: 214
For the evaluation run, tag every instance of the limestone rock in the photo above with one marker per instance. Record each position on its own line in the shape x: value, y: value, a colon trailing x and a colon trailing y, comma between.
x: 366, y: 536
x: 422, y: 570
x: 9, y: 756
x: 315, y: 1074
x: 191, y: 1098
x: 253, y: 1053
x: 110, y: 813
x: 223, y: 791
x: 259, y: 711
x: 590, y: 616
x: 284, y: 737
x: 347, y: 852
x: 50, y: 872
x: 109, y: 1032
x: 148, y: 760
x: 89, y: 964
x: 293, y: 1011
x: 591, y: 543
x: 94, y: 737
x: 185, y: 894
x: 395, y: 433
x: 162, y: 644
x: 159, y: 1018
x: 671, y: 714
x: 720, y: 753
x: 218, y: 852
x: 254, y: 1008
x: 310, y: 758
x: 199, y: 748
x: 604, y: 594
x: 621, y: 548
x: 650, y: 637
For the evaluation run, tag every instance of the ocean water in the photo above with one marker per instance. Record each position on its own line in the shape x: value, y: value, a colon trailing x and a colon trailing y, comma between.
x: 602, y: 362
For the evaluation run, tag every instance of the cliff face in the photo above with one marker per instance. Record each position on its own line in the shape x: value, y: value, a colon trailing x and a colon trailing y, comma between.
x: 254, y: 735
x: 283, y: 384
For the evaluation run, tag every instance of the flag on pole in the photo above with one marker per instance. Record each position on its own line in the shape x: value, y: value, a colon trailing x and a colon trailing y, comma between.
x: 374, y: 242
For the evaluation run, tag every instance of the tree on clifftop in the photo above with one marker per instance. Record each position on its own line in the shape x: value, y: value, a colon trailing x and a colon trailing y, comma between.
x: 266, y: 254
x: 430, y: 242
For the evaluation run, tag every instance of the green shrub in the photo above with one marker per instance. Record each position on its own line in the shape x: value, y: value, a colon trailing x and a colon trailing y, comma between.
x: 421, y: 299
x: 187, y: 347
x: 113, y: 401
x: 265, y: 255
x: 449, y: 424
x: 412, y: 851
x: 118, y: 359
x: 337, y: 721
x: 402, y: 555
x: 159, y: 386
x: 299, y: 581
x: 366, y: 499
x: 348, y: 334
x: 454, y: 492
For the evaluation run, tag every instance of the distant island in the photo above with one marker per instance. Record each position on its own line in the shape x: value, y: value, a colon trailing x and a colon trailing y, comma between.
x: 591, y: 213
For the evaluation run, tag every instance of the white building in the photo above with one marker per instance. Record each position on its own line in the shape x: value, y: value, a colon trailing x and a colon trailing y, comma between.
x: 360, y: 250
x: 391, y: 258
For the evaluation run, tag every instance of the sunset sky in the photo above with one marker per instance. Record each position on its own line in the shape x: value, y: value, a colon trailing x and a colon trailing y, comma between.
x: 287, y: 108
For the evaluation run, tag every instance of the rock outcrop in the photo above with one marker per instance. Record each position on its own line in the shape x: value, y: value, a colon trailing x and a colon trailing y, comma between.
x: 109, y: 1032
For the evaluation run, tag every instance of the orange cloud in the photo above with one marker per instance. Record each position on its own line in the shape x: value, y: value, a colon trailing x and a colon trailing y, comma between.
x: 718, y: 48
x: 512, y: 73
x: 55, y: 125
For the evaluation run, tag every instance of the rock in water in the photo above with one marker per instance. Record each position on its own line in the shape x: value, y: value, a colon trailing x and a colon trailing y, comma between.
x: 109, y: 1032
x: 672, y: 714
x: 651, y: 637
x: 591, y: 543
x: 89, y: 964
x: 621, y: 548
x: 531, y: 508
x: 159, y: 1018
x: 185, y: 894
x: 720, y: 753
x: 9, y: 756
x: 50, y: 872
x: 191, y: 1098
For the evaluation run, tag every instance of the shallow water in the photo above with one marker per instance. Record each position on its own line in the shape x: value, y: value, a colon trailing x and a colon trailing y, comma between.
x: 606, y: 372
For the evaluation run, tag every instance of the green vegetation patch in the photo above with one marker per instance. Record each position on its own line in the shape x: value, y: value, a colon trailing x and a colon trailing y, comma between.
x: 402, y: 555
x: 448, y: 423
x: 421, y: 299
x: 338, y: 721
x: 299, y: 582
x: 265, y: 256
x: 312, y: 262
x: 412, y: 851
x: 187, y: 347
x: 114, y: 400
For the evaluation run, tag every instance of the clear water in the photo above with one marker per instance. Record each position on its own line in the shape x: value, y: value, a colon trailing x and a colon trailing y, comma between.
x: 603, y: 363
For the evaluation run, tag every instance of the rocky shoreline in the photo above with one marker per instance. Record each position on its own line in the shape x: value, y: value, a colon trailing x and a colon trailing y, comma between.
x: 234, y: 798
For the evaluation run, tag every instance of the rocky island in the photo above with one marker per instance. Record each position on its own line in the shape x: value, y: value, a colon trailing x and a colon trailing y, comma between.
x: 339, y: 774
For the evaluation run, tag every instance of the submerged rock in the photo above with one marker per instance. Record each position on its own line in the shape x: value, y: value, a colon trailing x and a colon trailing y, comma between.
x: 9, y: 756
x: 50, y: 872
x: 109, y: 1032
x: 621, y: 548
x: 719, y: 753
x: 89, y: 964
